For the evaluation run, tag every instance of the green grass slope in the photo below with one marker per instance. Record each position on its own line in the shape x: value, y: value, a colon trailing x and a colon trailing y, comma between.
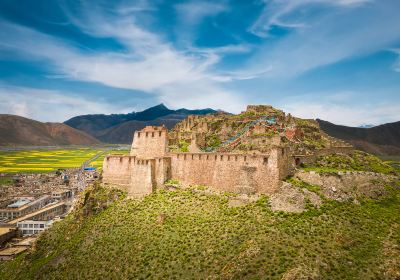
x: 188, y: 234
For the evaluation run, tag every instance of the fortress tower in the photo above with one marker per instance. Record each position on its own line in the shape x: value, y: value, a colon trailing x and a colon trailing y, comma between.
x: 150, y: 165
x: 150, y: 142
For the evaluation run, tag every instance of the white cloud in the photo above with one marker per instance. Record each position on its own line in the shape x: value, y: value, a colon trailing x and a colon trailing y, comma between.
x: 329, y: 37
x: 396, y: 64
x: 49, y: 105
x: 341, y: 108
x: 283, y: 13
x: 193, y: 12
x: 149, y: 64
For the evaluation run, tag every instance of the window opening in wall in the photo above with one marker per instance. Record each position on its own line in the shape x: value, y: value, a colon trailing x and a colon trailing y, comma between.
x: 265, y: 160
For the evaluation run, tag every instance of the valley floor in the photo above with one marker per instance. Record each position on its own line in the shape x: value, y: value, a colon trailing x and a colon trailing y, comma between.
x: 47, y: 159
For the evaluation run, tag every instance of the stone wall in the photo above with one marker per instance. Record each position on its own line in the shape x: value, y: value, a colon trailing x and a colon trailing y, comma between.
x: 135, y: 176
x: 162, y: 171
x: 143, y: 180
x: 227, y: 172
x: 239, y: 173
x: 322, y: 152
x: 118, y: 169
x: 150, y: 142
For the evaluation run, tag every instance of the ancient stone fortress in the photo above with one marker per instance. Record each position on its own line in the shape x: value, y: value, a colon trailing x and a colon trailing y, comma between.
x: 152, y: 162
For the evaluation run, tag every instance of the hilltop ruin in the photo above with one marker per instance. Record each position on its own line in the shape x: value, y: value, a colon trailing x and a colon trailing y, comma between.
x: 247, y: 153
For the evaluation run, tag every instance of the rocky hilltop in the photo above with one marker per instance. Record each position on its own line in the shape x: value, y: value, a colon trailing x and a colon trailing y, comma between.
x: 255, y: 130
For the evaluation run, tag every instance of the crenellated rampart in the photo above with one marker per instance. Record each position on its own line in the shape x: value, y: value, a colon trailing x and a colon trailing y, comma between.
x: 150, y: 165
x: 134, y: 175
x: 227, y: 172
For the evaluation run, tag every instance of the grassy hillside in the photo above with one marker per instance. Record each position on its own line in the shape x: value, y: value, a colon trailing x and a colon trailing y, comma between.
x: 189, y: 234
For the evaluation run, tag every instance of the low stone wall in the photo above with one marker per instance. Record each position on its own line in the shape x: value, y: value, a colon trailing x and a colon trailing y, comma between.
x: 322, y: 152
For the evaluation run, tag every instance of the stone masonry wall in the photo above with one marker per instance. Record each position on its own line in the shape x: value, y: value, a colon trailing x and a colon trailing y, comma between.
x: 133, y: 175
x: 323, y: 152
x: 118, y: 169
x: 227, y: 172
x: 150, y: 143
x: 143, y: 178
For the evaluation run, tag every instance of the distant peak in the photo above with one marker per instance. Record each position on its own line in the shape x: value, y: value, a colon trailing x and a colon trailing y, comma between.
x: 160, y: 106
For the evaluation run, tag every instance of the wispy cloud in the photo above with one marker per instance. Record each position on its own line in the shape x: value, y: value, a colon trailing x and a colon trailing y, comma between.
x: 50, y: 105
x: 170, y: 62
x: 283, y: 13
x: 346, y: 114
x: 396, y: 64
x: 329, y: 37
x: 193, y: 12
x: 149, y: 64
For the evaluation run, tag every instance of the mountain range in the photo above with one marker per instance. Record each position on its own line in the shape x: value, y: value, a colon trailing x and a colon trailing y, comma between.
x: 20, y: 131
x: 380, y: 140
x: 118, y: 128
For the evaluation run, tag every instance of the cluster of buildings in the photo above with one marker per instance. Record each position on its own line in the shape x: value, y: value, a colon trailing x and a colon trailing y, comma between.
x: 33, y: 202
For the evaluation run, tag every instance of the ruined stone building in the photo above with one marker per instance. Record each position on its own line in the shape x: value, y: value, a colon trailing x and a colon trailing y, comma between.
x: 151, y: 163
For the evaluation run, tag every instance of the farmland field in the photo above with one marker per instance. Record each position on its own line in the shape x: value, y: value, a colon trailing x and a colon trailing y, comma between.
x: 46, y: 160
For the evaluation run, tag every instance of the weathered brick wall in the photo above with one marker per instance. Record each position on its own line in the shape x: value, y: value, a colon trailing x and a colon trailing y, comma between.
x: 118, y: 169
x: 143, y: 178
x: 322, y: 152
x: 133, y: 175
x: 162, y: 171
x: 227, y: 172
x: 238, y: 173
x: 150, y: 143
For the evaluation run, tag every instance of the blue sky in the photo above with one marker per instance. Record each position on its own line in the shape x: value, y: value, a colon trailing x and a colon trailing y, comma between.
x: 333, y: 59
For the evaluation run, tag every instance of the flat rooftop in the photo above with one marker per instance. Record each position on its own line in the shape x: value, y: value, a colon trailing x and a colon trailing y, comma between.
x: 33, y: 214
x: 19, y: 203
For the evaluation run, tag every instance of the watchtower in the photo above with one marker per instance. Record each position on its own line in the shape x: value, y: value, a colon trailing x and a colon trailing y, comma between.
x: 150, y: 142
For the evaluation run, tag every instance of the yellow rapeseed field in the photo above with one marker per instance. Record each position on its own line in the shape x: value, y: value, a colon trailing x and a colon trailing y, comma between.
x: 44, y: 160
